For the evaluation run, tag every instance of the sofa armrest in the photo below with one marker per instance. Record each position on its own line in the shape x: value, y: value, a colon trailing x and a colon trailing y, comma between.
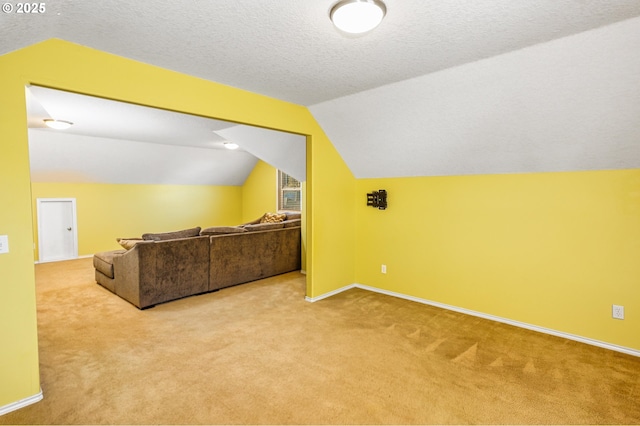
x: 134, y: 270
x: 158, y: 271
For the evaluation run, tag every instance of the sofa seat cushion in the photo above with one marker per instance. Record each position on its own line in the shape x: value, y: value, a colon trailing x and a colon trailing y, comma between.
x: 185, y: 233
x: 103, y: 261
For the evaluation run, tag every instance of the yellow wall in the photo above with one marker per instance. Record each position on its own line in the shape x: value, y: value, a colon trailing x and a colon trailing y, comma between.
x: 19, y: 377
x: 106, y: 211
x: 554, y: 250
x: 330, y: 214
x: 330, y: 201
x: 304, y: 227
x: 259, y: 192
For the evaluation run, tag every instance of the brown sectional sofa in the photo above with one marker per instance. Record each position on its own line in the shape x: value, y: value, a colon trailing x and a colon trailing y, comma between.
x: 157, y: 270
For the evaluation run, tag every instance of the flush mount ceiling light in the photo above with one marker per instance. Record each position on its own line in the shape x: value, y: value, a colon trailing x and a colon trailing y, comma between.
x: 57, y: 124
x: 357, y: 16
x: 231, y: 145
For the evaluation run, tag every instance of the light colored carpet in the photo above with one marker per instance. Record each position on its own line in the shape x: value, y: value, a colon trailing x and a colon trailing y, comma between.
x: 259, y: 353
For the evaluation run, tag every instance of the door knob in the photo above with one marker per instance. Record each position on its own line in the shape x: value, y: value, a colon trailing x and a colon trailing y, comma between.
x: 69, y: 229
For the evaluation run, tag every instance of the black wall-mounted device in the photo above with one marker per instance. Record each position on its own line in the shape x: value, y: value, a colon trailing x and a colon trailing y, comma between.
x: 377, y: 199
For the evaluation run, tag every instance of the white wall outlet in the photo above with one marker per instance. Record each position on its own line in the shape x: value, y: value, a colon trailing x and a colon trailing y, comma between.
x: 383, y: 269
x: 618, y: 312
x: 4, y: 244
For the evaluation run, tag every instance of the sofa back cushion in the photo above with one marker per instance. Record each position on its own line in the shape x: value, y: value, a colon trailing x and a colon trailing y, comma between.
x: 185, y: 233
x: 263, y: 226
x: 291, y: 223
x: 220, y: 230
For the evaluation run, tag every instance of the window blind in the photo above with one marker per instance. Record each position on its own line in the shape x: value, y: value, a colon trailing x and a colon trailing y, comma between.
x: 289, y: 192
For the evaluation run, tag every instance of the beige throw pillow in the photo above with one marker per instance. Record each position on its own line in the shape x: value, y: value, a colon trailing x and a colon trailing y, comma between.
x: 273, y: 218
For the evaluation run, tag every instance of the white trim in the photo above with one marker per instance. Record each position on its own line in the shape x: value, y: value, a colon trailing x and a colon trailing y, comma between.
x: 21, y: 404
x: 84, y: 256
x: 588, y: 341
x: 332, y: 293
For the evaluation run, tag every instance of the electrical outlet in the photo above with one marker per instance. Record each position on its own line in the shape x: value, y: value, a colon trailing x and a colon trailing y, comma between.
x: 383, y: 269
x: 618, y: 312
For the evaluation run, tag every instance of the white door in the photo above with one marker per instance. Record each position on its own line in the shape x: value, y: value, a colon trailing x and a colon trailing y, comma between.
x: 57, y: 235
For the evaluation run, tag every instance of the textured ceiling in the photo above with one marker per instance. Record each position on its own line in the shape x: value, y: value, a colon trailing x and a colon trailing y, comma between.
x: 571, y: 104
x: 439, y: 88
x: 289, y: 49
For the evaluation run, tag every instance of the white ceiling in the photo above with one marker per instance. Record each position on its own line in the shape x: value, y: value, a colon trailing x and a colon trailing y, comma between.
x: 118, y: 142
x: 571, y: 104
x: 120, y: 120
x: 407, y: 98
x: 63, y: 157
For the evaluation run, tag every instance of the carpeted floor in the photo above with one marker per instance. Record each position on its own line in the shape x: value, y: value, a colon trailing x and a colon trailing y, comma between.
x: 259, y: 353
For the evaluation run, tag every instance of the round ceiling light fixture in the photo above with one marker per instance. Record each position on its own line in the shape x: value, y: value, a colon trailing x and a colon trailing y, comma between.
x: 231, y: 145
x: 57, y: 124
x: 357, y: 16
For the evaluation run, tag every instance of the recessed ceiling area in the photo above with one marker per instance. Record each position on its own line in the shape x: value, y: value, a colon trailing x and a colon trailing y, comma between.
x: 118, y: 142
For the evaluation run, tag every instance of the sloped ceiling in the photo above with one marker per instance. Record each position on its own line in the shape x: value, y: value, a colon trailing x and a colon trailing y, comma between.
x: 57, y: 157
x: 406, y: 98
x: 571, y: 104
x: 284, y: 151
x: 117, y: 142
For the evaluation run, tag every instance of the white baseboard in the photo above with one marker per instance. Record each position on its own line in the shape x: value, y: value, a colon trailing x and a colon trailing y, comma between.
x: 588, y: 341
x: 84, y: 256
x: 333, y: 293
x: 21, y: 404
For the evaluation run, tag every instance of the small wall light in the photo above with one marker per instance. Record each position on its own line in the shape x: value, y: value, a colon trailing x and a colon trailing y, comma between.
x: 357, y: 16
x: 57, y: 124
x: 377, y: 199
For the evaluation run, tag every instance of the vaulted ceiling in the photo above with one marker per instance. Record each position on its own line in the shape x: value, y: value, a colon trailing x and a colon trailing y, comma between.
x: 439, y: 88
x: 117, y: 142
